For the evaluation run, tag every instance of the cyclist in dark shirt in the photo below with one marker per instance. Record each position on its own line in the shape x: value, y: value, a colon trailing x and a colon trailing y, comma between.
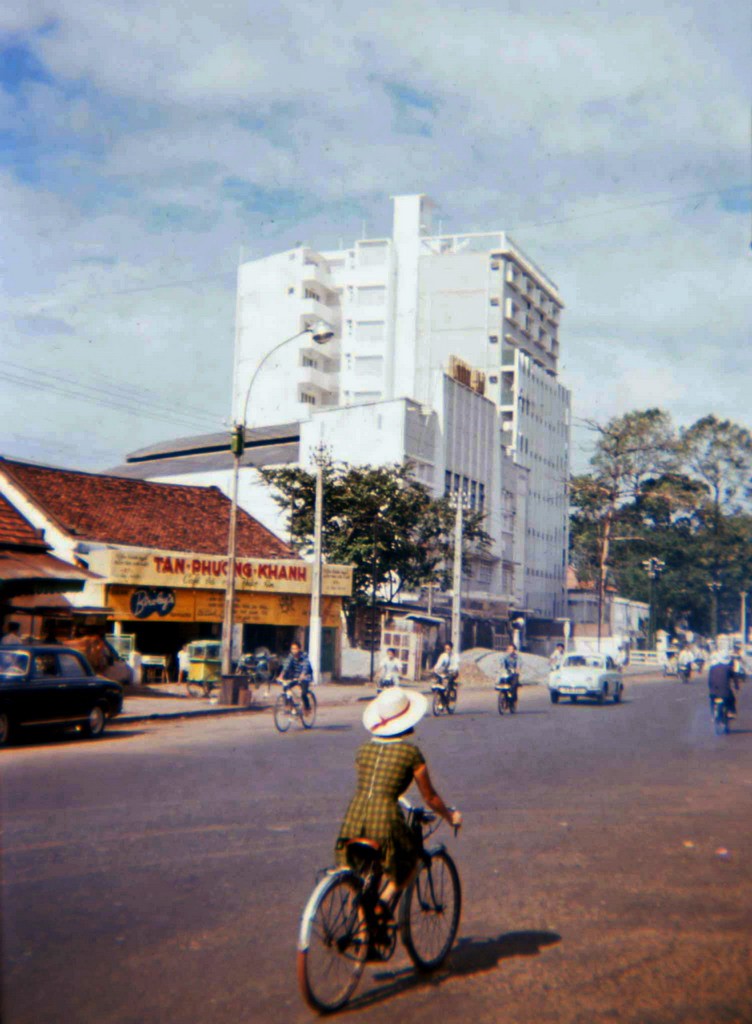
x: 723, y: 678
x: 298, y: 669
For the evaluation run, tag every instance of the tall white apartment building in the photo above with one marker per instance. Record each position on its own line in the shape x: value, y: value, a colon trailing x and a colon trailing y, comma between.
x: 446, y: 352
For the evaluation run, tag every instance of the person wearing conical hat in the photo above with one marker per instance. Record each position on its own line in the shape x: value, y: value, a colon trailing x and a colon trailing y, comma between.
x: 386, y: 767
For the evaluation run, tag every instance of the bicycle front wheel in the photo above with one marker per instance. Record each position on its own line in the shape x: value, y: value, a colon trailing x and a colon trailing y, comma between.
x: 430, y: 912
x: 502, y: 703
x: 438, y: 703
x: 451, y: 700
x: 282, y: 713
x: 196, y: 688
x: 333, y: 943
x: 308, y: 715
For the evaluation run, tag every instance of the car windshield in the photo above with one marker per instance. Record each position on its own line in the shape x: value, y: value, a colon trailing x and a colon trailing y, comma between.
x: 13, y: 663
x: 584, y: 661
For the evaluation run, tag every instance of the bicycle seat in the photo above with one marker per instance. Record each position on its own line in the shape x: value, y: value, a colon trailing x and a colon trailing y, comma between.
x: 362, y: 853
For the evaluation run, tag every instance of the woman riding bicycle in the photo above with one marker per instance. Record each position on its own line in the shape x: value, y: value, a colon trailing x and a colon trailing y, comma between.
x: 386, y: 767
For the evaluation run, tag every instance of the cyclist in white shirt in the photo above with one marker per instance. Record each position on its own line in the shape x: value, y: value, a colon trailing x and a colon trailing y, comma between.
x: 389, y: 674
x: 448, y: 663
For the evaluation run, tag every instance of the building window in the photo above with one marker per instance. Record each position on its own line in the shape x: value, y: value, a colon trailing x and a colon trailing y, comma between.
x: 307, y: 399
x: 372, y: 296
x: 309, y: 361
x: 447, y: 482
x: 369, y: 330
x: 291, y: 291
x: 493, y: 339
x: 369, y: 366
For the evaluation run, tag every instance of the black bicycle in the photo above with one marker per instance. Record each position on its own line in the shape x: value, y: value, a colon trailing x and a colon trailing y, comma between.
x: 289, y: 707
x: 444, y: 690
x: 346, y: 923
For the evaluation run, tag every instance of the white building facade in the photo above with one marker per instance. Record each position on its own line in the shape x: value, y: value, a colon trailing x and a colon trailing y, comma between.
x: 445, y: 352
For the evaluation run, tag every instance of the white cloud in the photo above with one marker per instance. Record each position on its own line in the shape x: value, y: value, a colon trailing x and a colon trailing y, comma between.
x: 314, y: 115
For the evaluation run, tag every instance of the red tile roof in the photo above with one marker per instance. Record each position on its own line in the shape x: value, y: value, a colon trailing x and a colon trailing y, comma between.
x: 15, y: 531
x: 140, y: 513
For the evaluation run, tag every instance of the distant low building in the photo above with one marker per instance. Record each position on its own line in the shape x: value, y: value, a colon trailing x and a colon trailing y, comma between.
x: 623, y: 621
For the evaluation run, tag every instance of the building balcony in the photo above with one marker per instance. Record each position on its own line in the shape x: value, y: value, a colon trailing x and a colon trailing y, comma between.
x: 313, y: 309
x: 313, y: 379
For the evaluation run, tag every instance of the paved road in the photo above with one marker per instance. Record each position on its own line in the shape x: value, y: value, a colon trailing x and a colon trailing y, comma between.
x: 157, y: 875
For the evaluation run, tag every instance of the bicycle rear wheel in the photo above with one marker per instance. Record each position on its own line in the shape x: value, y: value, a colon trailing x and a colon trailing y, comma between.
x: 333, y: 943
x: 308, y: 715
x: 430, y: 911
x: 720, y: 719
x: 282, y: 713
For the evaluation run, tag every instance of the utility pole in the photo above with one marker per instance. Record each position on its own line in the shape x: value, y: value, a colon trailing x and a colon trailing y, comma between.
x: 314, y: 626
x: 743, y: 617
x: 457, y: 575
x: 714, y: 586
x: 653, y: 567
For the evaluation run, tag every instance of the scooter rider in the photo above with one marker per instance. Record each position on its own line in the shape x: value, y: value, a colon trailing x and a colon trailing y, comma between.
x: 684, y: 662
x: 724, y: 677
x: 447, y: 666
x: 510, y: 664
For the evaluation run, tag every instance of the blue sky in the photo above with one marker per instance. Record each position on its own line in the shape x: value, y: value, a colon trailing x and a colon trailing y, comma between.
x: 142, y: 149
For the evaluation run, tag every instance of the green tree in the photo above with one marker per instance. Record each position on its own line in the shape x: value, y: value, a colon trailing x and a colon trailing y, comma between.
x: 718, y: 453
x: 378, y: 519
x: 629, y: 450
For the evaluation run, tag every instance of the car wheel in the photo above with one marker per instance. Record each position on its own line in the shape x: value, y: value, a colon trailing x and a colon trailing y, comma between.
x: 554, y: 695
x: 601, y: 698
x: 617, y: 694
x: 572, y: 700
x: 96, y: 722
x: 4, y: 729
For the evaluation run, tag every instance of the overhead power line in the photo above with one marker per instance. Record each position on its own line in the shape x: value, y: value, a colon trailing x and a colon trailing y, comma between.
x: 666, y: 201
x: 67, y: 388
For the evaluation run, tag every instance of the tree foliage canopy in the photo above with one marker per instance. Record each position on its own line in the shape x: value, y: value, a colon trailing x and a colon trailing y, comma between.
x: 682, y: 496
x: 378, y: 519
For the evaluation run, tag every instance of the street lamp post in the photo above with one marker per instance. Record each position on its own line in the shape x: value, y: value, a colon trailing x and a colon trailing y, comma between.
x: 321, y: 333
x: 714, y: 587
x: 653, y: 567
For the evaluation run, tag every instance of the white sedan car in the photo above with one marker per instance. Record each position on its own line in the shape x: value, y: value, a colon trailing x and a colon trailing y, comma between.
x: 586, y: 675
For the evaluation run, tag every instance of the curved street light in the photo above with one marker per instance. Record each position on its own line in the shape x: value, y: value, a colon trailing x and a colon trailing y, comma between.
x: 321, y: 332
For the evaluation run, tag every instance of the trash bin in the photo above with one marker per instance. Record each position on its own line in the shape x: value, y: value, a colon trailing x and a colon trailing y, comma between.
x: 234, y: 690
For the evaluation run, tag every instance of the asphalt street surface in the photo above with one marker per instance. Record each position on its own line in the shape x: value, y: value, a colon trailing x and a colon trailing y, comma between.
x: 158, y: 875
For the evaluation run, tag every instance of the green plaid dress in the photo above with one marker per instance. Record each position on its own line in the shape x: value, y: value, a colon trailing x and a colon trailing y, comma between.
x: 385, y: 770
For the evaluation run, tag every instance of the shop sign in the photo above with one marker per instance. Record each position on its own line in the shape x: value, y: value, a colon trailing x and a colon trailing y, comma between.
x: 164, y: 604
x: 169, y: 569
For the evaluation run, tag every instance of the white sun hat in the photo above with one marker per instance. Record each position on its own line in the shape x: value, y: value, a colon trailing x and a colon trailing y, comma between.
x: 394, y: 711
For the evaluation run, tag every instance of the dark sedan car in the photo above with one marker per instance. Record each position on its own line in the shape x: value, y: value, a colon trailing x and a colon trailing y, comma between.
x: 41, y: 684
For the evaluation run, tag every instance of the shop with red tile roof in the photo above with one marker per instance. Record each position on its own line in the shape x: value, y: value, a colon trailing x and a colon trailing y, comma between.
x: 160, y: 550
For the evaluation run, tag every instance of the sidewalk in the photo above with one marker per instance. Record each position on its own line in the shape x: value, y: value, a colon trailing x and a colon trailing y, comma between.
x: 167, y: 701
